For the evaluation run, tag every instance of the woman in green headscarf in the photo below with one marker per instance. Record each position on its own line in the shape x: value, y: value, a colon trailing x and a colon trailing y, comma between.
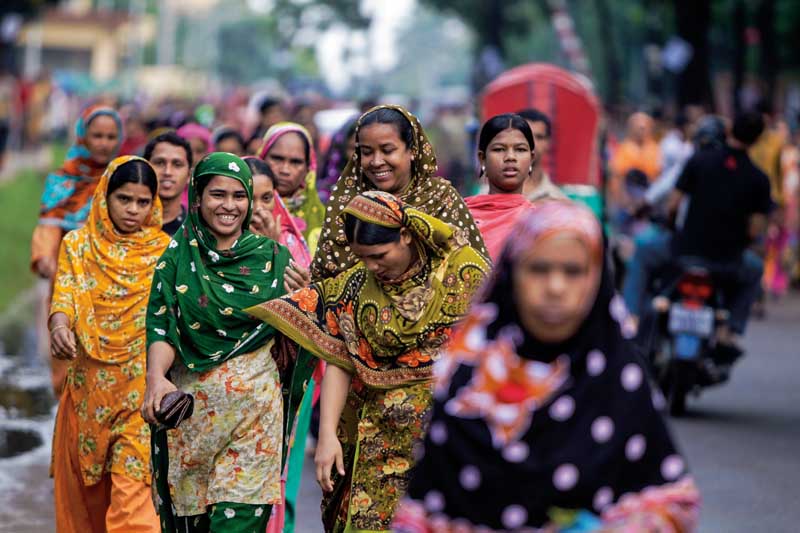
x: 393, y: 155
x: 380, y: 326
x: 220, y: 470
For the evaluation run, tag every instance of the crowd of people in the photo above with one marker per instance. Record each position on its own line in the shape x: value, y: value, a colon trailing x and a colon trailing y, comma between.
x: 464, y: 363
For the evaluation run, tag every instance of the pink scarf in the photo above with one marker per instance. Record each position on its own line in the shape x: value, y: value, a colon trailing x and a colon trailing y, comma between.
x: 495, y: 215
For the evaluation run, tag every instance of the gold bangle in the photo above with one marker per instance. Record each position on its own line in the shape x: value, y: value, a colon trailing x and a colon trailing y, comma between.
x: 58, y: 327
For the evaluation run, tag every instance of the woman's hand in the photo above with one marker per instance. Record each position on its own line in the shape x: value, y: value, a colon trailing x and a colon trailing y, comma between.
x: 295, y: 277
x: 62, y: 343
x: 329, y: 453
x: 157, y: 388
x: 46, y: 267
x: 264, y: 223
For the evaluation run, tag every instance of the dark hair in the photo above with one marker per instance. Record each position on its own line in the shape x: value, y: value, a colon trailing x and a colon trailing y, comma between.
x: 306, y: 145
x: 534, y: 115
x: 259, y: 167
x: 498, y: 123
x: 136, y: 171
x: 268, y: 102
x: 228, y: 134
x: 391, y: 116
x: 367, y: 233
x: 169, y: 137
x: 747, y: 127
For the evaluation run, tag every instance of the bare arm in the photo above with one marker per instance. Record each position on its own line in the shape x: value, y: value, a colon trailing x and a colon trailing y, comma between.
x: 335, y: 386
x: 160, y: 357
x: 673, y: 203
x: 62, y: 338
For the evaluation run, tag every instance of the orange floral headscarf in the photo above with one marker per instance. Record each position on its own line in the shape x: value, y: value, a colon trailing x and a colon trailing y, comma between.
x: 104, y: 277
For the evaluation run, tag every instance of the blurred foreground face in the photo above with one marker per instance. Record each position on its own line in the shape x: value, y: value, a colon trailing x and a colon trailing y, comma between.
x: 172, y: 169
x: 287, y: 159
x: 102, y: 137
x: 553, y: 286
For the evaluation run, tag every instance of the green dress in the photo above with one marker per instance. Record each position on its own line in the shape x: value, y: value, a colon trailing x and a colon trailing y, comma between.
x: 237, y: 368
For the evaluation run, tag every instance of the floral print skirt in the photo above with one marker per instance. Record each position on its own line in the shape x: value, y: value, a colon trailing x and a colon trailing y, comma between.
x: 229, y: 450
x: 378, y: 432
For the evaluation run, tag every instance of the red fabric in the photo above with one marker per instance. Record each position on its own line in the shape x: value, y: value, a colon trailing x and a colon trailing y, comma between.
x: 495, y: 215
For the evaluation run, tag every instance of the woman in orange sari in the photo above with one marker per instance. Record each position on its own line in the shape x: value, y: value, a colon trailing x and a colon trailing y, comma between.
x: 101, y: 445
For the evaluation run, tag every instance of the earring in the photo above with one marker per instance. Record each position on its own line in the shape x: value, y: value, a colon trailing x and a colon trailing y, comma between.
x: 483, y: 169
x: 530, y: 169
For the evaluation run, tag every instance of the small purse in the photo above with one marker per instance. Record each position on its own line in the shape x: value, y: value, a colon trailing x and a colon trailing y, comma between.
x: 175, y: 407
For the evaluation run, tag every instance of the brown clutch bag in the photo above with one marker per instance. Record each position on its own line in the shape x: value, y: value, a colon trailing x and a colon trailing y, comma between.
x: 175, y: 407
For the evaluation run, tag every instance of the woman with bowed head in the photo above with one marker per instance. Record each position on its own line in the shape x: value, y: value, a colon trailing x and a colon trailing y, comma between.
x: 392, y: 155
x: 544, y: 416
x: 289, y: 151
x: 379, y: 325
x: 219, y: 470
x: 506, y: 153
x: 101, y: 460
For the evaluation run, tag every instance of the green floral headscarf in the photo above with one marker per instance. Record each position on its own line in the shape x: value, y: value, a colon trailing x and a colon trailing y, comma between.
x: 199, y: 292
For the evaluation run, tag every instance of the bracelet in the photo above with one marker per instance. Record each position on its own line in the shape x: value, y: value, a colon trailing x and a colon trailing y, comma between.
x: 58, y: 327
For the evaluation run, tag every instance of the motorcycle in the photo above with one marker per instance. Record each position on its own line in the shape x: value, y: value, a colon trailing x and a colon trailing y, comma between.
x: 679, y: 332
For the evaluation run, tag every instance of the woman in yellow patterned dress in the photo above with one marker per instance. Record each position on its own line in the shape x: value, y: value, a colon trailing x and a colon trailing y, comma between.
x: 380, y: 326
x: 101, y: 455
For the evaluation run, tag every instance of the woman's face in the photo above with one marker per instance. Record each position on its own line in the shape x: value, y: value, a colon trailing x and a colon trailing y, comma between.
x: 554, y: 284
x: 350, y: 147
x: 385, y: 158
x: 102, y: 138
x: 230, y: 145
x: 387, y: 261
x: 199, y: 149
x: 287, y: 159
x: 507, y: 159
x: 129, y: 206
x: 263, y: 193
x: 223, y: 207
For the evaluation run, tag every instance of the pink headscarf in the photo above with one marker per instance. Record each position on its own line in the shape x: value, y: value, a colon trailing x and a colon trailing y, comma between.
x: 279, y: 130
x: 194, y: 130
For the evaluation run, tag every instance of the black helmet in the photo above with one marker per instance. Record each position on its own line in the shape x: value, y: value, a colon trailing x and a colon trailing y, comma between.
x: 710, y: 133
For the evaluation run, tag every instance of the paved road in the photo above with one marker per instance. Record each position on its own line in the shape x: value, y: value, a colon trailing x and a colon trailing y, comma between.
x: 742, y: 440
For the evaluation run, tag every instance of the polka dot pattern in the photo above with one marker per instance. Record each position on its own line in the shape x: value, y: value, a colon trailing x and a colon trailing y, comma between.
x: 602, y: 429
x: 565, y: 477
x: 434, y: 501
x: 632, y: 377
x: 635, y: 448
x: 672, y: 467
x: 516, y: 452
x: 595, y: 363
x: 514, y: 516
x: 562, y: 408
x: 602, y: 498
x: 438, y: 433
x: 470, y: 478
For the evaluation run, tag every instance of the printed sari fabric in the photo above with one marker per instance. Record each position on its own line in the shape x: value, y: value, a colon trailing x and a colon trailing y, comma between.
x: 496, y: 215
x: 68, y: 192
x: 225, y: 358
x: 305, y: 203
x: 527, y: 435
x: 387, y: 334
x: 102, y: 285
x: 427, y: 193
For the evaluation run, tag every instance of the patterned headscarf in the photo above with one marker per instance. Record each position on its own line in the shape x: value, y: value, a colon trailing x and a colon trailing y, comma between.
x: 426, y: 193
x: 199, y: 291
x: 104, y: 277
x: 67, y: 195
x: 305, y: 203
x: 527, y: 434
x: 387, y: 332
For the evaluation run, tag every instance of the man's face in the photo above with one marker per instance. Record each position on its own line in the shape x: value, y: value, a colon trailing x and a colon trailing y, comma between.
x: 541, y: 139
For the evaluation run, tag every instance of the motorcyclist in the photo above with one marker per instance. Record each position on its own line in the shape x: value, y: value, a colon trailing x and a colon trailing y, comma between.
x: 729, y: 198
x: 652, y: 245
